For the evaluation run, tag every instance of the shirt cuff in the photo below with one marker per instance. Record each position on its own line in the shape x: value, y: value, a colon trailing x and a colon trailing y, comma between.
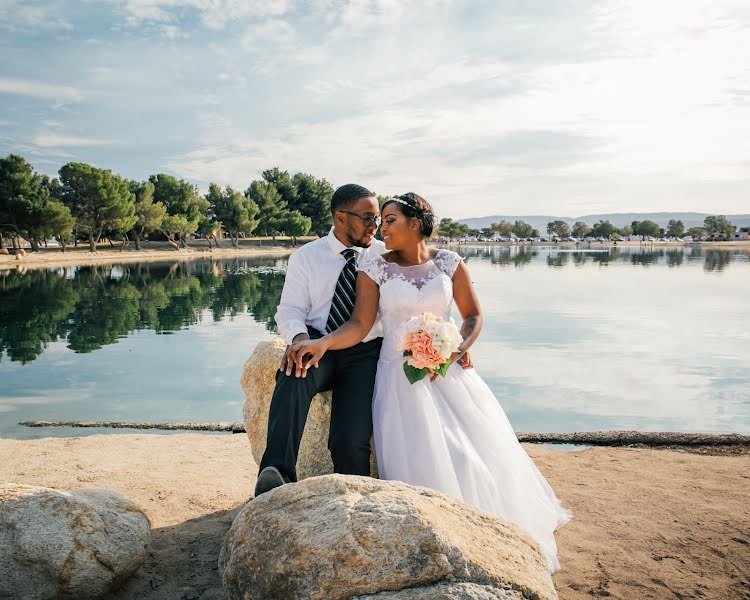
x: 294, y: 331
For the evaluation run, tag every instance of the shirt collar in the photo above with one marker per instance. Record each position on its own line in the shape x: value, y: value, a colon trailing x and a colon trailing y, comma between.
x: 337, y: 247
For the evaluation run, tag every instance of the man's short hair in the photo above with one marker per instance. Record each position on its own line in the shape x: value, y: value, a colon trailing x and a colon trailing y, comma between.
x: 345, y: 196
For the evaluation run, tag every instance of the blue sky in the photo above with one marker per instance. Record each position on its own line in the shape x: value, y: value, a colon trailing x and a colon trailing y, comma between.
x: 564, y: 107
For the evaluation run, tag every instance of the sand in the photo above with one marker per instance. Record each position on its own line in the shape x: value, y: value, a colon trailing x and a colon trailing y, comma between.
x: 151, y: 252
x: 161, y: 251
x: 647, y: 523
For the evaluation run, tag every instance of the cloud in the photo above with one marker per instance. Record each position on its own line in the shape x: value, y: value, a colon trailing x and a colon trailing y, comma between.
x: 214, y: 14
x: 54, y: 140
x: 17, y: 16
x: 567, y: 108
x: 38, y: 89
x: 275, y: 32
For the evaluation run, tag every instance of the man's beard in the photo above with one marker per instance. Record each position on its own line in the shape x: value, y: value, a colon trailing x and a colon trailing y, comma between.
x: 358, y: 242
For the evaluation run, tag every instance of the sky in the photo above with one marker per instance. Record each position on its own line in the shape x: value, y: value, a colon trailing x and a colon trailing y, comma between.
x: 563, y: 107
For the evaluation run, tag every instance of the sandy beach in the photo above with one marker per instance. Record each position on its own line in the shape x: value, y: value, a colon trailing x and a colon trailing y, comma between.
x: 150, y: 252
x: 647, y: 523
x: 161, y: 251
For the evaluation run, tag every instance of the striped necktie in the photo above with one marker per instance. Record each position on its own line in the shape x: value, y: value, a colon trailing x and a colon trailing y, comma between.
x: 343, y: 296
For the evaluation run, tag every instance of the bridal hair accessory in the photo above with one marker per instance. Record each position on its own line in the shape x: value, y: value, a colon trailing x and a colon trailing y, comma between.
x: 427, y: 342
x: 405, y: 203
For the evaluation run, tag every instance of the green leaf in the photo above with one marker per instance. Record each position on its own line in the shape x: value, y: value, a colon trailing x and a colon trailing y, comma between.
x: 443, y: 369
x: 413, y: 374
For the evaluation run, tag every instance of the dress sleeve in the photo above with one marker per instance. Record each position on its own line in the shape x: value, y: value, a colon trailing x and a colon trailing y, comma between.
x: 372, y: 266
x: 447, y: 261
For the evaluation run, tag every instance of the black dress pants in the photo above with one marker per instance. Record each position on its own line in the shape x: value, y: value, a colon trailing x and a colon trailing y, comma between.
x: 350, y: 373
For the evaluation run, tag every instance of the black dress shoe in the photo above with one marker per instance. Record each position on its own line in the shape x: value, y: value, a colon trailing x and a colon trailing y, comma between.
x: 269, y: 478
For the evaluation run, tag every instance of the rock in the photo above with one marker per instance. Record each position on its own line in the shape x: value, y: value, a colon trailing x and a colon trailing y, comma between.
x: 342, y: 537
x: 4, y: 251
x: 76, y: 544
x: 448, y: 591
x: 258, y: 380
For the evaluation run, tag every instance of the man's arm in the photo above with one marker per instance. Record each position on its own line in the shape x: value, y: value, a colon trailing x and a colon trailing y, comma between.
x: 294, y: 306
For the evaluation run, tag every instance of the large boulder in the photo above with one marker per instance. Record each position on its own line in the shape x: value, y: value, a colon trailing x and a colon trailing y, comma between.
x: 341, y: 537
x: 449, y: 591
x: 258, y: 381
x: 76, y: 544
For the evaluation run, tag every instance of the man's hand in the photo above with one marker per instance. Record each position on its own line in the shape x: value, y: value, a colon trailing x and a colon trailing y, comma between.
x: 286, y: 364
x: 306, y: 354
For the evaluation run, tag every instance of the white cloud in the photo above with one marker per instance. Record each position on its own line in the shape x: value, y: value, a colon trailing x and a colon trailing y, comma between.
x: 214, y: 14
x: 139, y: 11
x: 237, y: 79
x: 20, y: 16
x: 171, y: 32
x: 54, y: 140
x: 38, y: 89
x: 275, y: 32
x: 565, y: 109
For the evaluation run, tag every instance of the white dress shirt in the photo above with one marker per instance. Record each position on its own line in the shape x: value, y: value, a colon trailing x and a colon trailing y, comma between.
x: 311, y: 277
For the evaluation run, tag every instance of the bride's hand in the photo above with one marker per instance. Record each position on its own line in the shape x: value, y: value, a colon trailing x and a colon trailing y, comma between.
x: 462, y: 359
x: 306, y: 354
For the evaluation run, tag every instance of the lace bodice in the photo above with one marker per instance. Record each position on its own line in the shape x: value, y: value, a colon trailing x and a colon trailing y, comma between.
x: 408, y: 291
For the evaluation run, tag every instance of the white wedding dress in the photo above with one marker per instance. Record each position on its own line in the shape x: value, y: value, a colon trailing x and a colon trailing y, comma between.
x: 450, y: 435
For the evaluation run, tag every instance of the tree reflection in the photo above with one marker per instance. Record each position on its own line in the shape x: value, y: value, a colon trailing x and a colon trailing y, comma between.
x: 604, y: 258
x: 558, y: 260
x: 646, y: 257
x: 716, y: 260
x: 33, y: 312
x: 675, y: 257
x: 579, y: 258
x: 94, y: 306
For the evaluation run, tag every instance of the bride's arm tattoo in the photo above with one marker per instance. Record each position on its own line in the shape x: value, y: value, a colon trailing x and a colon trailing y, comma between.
x: 470, y: 329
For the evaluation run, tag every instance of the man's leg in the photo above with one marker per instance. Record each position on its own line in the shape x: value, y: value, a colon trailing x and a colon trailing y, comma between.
x: 351, y: 408
x: 290, y: 404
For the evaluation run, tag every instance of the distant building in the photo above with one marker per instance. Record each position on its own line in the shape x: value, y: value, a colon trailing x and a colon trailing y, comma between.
x: 733, y: 237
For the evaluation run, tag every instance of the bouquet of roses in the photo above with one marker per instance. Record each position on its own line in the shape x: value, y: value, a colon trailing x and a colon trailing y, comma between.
x: 427, y: 342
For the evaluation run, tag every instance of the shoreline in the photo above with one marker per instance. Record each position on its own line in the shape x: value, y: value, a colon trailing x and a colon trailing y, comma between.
x: 54, y: 257
x: 704, y: 443
x: 161, y: 251
x: 646, y: 523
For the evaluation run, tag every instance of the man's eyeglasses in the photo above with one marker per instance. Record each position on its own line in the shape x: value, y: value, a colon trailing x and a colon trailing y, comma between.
x: 368, y: 220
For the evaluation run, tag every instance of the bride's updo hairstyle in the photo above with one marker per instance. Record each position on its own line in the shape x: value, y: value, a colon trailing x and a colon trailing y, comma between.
x: 415, y: 207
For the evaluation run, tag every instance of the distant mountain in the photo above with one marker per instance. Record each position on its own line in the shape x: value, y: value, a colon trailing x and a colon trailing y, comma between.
x: 617, y: 219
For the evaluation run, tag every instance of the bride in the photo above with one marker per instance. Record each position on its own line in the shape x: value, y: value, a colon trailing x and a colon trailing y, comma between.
x: 445, y: 433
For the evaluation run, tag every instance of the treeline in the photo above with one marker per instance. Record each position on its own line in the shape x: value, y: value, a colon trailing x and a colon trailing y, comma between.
x: 712, y: 225
x: 453, y: 230
x: 717, y: 225
x: 87, y: 203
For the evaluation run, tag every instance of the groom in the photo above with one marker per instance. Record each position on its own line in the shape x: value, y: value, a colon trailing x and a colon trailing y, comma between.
x: 318, y: 297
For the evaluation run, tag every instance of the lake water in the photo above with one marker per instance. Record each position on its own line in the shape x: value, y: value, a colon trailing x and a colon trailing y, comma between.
x: 574, y: 340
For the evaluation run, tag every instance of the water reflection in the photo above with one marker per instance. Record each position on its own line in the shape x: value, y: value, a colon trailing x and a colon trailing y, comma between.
x: 91, y: 307
x: 573, y: 339
x: 713, y: 259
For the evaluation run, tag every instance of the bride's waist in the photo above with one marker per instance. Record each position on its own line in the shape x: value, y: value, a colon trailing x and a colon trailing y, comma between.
x: 391, y: 349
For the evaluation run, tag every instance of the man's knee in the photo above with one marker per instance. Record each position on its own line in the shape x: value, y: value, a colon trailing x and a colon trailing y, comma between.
x: 291, y: 386
x: 351, y: 457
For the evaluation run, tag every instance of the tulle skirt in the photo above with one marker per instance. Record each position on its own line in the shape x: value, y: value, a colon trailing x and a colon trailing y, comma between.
x: 451, y: 435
